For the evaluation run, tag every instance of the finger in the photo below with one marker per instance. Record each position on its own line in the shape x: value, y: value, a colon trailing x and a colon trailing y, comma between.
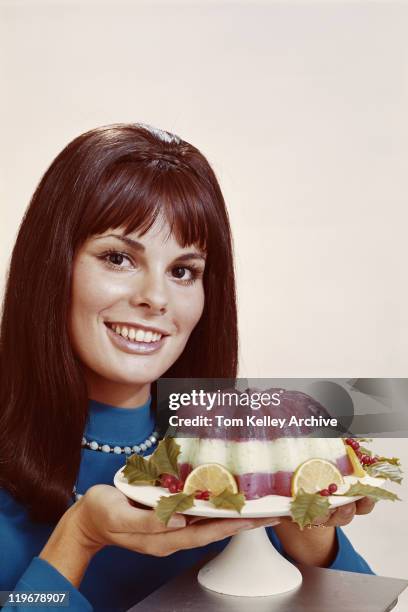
x: 163, y: 544
x: 365, y: 505
x: 322, y: 520
x: 136, y: 504
x: 192, y: 536
x: 343, y: 515
x: 266, y: 522
x: 136, y: 520
x: 195, y: 519
x: 197, y: 535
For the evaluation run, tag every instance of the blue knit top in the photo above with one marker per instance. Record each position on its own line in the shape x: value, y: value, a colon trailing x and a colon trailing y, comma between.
x: 116, y: 578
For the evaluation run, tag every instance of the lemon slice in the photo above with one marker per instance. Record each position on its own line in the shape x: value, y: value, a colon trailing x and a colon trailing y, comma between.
x: 355, y: 462
x: 211, y: 477
x: 314, y: 475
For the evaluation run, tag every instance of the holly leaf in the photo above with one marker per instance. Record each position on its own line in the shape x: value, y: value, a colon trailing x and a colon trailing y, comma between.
x: 384, y: 469
x: 228, y: 501
x: 368, y: 491
x: 393, y: 460
x: 140, y: 471
x: 165, y: 457
x: 168, y: 505
x: 307, y: 507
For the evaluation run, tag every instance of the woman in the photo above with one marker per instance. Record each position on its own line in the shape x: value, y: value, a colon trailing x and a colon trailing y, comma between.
x: 122, y: 272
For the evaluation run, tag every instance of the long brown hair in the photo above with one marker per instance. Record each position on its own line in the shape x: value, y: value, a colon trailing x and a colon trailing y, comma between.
x: 121, y: 175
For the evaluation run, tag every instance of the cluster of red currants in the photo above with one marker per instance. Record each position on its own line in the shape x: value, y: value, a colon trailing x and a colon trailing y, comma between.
x: 364, y: 459
x: 172, y: 483
x: 202, y: 495
x: 175, y: 485
x: 331, y: 489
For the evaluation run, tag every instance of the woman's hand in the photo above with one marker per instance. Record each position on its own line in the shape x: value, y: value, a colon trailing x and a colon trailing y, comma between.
x: 317, y: 544
x: 345, y: 514
x: 104, y: 516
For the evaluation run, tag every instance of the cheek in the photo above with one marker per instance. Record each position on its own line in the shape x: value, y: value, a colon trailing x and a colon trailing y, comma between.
x: 91, y: 293
x: 191, y: 310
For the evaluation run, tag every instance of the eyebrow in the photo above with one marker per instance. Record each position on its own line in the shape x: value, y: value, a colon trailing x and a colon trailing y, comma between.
x: 138, y: 246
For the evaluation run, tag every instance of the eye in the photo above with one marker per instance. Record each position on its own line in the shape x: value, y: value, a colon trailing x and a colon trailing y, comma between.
x: 187, y: 275
x: 182, y: 272
x: 115, y: 259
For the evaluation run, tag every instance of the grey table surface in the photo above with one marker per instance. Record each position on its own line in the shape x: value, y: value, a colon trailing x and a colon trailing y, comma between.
x: 322, y: 590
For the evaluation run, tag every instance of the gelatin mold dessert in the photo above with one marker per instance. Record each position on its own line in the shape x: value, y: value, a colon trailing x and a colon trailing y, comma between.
x: 283, y: 467
x: 262, y: 459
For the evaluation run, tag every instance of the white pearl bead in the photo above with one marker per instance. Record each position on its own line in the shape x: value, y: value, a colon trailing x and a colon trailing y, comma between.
x: 153, y: 439
x: 94, y: 445
x: 106, y: 448
x: 78, y: 496
x: 127, y: 450
x: 148, y: 443
x: 117, y: 450
x: 83, y: 441
x: 143, y: 447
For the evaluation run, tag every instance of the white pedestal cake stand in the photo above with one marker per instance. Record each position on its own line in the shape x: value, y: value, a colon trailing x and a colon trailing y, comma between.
x: 249, y: 566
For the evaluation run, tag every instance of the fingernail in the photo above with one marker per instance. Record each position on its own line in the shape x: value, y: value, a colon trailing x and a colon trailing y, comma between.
x: 177, y: 521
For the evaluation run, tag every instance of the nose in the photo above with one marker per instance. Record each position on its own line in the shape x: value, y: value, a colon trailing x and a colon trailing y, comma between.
x: 150, y: 293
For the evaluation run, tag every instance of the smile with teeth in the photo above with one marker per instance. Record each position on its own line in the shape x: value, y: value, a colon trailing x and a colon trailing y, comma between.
x: 135, y: 334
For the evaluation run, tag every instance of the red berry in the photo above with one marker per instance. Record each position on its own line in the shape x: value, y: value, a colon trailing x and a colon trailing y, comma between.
x: 348, y: 441
x: 202, y: 495
x: 354, y: 445
x: 324, y: 492
x: 359, y: 454
x: 366, y: 460
x: 173, y: 487
x: 332, y: 488
x: 180, y: 486
x: 166, y: 479
x: 373, y: 460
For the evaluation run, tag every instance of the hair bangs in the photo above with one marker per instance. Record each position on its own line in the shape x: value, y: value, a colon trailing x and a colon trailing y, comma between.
x: 135, y: 199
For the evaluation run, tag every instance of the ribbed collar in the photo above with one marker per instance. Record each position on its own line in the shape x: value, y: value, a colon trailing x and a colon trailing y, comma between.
x: 119, y: 426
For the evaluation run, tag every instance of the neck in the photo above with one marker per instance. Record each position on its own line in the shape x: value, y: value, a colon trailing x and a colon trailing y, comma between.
x: 116, y: 394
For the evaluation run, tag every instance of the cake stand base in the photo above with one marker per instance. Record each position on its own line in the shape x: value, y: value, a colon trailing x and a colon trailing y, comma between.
x: 250, y: 566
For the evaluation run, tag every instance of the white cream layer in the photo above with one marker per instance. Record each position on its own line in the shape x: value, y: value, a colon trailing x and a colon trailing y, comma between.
x: 259, y: 456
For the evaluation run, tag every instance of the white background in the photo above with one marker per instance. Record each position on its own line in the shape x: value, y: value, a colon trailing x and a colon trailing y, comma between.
x: 302, y: 110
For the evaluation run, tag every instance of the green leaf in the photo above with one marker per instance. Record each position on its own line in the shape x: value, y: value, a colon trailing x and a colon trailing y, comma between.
x: 140, y: 471
x: 369, y: 491
x: 307, y: 507
x: 168, y: 505
x: 165, y: 457
x: 364, y: 440
x: 393, y: 461
x: 228, y: 501
x: 366, y: 451
x: 384, y: 469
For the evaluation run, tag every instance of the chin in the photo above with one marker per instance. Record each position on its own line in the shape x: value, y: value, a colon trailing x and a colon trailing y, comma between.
x: 138, y: 377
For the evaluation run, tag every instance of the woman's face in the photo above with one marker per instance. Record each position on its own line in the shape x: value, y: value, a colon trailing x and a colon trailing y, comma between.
x: 135, y: 301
